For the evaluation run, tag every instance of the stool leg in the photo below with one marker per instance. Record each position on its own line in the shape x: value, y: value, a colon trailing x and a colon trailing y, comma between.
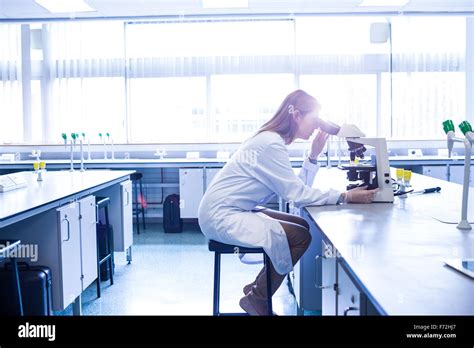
x: 143, y: 209
x: 217, y: 283
x: 98, y: 270
x: 16, y: 282
x: 269, y: 284
x: 136, y: 205
x: 110, y: 252
x: 111, y: 241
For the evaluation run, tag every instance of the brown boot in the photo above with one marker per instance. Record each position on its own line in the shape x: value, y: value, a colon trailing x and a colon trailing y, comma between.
x: 253, y: 306
x: 248, y: 287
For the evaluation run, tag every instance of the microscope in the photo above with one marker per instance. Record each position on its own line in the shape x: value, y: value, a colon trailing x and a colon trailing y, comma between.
x: 375, y: 174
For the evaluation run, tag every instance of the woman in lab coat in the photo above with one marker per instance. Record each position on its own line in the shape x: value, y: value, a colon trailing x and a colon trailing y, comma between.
x: 261, y: 168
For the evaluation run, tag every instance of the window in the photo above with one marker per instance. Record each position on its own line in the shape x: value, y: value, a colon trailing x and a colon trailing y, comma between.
x: 428, y: 79
x: 88, y: 85
x: 168, y: 109
x: 345, y: 98
x: 10, y: 84
x: 242, y: 103
x: 208, y: 81
x: 218, y: 80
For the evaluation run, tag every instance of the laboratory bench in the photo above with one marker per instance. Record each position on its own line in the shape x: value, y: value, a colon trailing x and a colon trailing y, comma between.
x: 58, y: 215
x: 387, y: 258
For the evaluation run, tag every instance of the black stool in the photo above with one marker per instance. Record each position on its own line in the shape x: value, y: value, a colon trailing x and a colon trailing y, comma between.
x: 7, y: 245
x: 221, y: 248
x: 102, y: 203
x: 137, y: 182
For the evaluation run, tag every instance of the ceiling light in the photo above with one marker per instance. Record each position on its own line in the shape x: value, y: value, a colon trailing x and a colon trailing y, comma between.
x: 384, y: 2
x: 58, y: 6
x: 224, y: 3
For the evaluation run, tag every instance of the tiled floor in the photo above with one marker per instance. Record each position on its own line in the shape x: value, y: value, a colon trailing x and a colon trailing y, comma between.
x: 172, y: 274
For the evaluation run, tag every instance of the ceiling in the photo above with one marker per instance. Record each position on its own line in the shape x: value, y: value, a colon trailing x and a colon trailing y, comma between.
x: 11, y: 10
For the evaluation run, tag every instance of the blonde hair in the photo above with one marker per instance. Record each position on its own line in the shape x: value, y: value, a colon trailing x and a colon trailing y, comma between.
x: 283, y: 122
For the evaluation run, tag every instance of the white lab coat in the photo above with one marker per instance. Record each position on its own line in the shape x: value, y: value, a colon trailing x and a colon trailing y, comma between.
x: 257, y: 171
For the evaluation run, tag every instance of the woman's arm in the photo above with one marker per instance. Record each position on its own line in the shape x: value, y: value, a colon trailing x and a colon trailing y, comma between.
x: 273, y: 168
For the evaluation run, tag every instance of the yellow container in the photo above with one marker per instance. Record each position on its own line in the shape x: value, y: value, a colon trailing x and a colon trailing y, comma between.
x: 399, y: 174
x: 36, y: 165
x: 407, y: 177
x: 42, y: 164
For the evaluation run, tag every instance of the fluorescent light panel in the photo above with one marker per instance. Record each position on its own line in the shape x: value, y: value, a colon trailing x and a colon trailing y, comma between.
x: 384, y: 3
x: 59, y: 6
x: 225, y: 3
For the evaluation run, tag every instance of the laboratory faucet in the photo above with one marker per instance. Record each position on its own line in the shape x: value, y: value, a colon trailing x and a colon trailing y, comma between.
x: 111, y: 143
x: 81, y: 141
x: 72, y: 142
x: 465, y: 127
x: 328, y: 156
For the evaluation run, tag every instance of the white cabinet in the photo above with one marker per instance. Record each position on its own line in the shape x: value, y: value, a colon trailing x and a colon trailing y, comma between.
x: 438, y: 172
x: 120, y: 213
x: 191, y: 190
x: 66, y: 243
x: 193, y: 182
x: 124, y: 239
x: 66, y: 280
x: 456, y: 173
x: 87, y: 220
x: 348, y: 296
x: 328, y: 266
x: 210, y: 174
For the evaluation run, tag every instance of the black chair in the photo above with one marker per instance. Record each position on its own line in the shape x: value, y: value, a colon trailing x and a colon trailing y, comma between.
x: 221, y: 248
x: 137, y: 183
x: 107, y: 255
x: 7, y: 246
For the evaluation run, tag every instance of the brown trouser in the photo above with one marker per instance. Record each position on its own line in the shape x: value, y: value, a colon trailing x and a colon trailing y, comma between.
x: 299, y: 239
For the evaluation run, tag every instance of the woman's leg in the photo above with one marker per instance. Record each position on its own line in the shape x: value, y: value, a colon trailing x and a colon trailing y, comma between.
x: 285, y: 217
x: 299, y: 240
x: 282, y: 218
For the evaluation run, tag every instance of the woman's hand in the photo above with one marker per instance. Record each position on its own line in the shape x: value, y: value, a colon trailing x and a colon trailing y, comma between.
x: 360, y: 195
x: 318, y: 144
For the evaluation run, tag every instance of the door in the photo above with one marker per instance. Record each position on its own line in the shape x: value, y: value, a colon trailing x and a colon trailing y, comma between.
x: 87, y: 210
x: 127, y: 215
x: 348, y: 295
x: 191, y: 190
x: 70, y: 253
x: 328, y: 274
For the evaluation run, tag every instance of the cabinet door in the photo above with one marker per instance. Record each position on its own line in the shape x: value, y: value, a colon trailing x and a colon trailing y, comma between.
x: 88, y: 240
x: 210, y: 174
x: 127, y: 215
x: 348, y: 297
x: 191, y: 190
x: 438, y: 172
x: 70, y: 253
x: 328, y: 266
x: 457, y: 175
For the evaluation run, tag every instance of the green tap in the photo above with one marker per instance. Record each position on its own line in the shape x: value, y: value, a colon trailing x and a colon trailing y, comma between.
x: 448, y: 126
x: 465, y: 127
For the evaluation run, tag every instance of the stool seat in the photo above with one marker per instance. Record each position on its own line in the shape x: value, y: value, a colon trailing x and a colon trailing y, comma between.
x: 231, y: 249
x: 136, y: 176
